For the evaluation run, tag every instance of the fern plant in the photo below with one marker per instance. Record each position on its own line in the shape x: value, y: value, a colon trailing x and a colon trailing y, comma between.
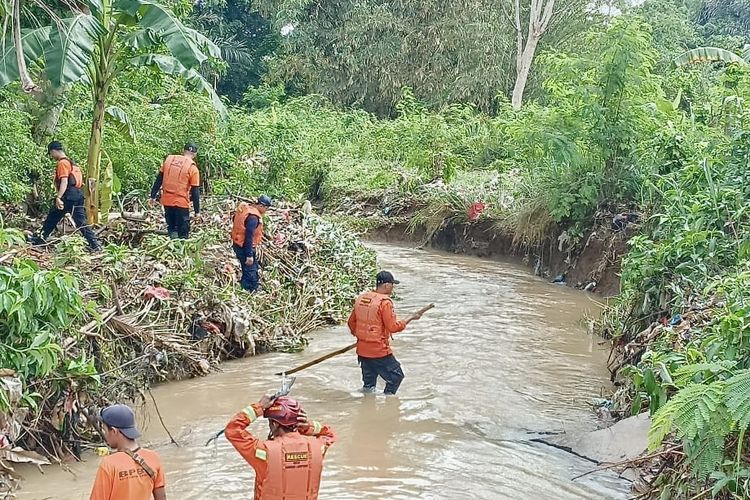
x: 703, y: 417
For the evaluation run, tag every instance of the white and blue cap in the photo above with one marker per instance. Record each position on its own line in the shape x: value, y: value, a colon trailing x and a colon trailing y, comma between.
x: 122, y: 418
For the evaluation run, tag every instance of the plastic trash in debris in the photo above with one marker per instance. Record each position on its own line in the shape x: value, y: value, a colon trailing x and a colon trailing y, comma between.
x: 211, y: 327
x: 676, y: 320
x: 156, y: 292
x: 476, y: 209
x: 601, y: 402
x: 620, y: 222
x: 279, y: 240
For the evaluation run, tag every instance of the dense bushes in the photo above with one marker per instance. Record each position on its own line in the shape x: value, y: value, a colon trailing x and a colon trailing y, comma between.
x: 579, y: 150
x: 21, y: 158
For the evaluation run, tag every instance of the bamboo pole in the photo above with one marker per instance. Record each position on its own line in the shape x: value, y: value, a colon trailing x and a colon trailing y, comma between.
x: 340, y: 351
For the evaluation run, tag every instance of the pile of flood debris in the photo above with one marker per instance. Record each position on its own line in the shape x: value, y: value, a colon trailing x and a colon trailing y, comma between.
x: 157, y: 309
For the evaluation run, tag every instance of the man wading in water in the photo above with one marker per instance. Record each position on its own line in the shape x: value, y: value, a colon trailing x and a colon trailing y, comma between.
x: 289, y: 463
x: 373, y: 321
x: 131, y: 473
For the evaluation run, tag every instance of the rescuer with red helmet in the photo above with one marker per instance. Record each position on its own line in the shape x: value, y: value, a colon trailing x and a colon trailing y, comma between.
x: 290, y: 462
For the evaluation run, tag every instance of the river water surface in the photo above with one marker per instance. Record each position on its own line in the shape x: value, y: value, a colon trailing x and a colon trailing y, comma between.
x: 503, y: 356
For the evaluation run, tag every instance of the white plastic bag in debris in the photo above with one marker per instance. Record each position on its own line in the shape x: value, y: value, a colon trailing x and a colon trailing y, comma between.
x: 13, y: 388
x: 10, y: 426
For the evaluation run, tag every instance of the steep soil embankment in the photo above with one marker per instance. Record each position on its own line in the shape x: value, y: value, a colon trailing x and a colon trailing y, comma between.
x: 593, y: 264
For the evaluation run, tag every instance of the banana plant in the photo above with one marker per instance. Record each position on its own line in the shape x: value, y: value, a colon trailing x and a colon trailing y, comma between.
x: 94, y: 45
x: 712, y: 54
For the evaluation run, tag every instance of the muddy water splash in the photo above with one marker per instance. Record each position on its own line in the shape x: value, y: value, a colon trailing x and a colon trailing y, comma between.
x: 502, y: 357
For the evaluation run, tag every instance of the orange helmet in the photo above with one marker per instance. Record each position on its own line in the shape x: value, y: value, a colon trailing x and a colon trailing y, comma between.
x: 285, y: 411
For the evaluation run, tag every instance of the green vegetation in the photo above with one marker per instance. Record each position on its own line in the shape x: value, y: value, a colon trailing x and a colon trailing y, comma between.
x: 66, y: 349
x: 380, y: 109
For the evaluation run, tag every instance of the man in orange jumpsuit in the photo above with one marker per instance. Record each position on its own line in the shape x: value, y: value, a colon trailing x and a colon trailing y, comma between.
x: 373, y: 322
x: 290, y: 462
x: 131, y: 473
x: 179, y: 182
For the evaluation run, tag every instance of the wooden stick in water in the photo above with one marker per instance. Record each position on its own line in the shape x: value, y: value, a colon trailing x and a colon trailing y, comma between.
x: 340, y: 351
x: 320, y: 359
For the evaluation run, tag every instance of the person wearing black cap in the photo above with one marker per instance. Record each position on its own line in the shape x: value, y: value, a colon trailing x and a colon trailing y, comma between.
x: 131, y: 472
x: 179, y: 181
x: 68, y: 198
x: 373, y: 322
x: 247, y: 236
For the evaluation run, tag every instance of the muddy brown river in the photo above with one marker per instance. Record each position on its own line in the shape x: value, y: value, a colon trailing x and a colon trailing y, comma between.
x: 503, y: 356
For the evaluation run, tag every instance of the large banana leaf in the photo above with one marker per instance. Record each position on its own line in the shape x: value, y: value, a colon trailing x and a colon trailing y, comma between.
x: 72, y: 43
x: 141, y: 39
x: 33, y: 42
x: 179, y: 39
x: 96, y: 7
x: 170, y: 65
x: 195, y: 78
x: 121, y: 122
x: 702, y: 54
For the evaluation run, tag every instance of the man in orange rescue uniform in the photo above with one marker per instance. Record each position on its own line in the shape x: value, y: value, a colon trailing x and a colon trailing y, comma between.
x: 247, y: 235
x: 179, y: 182
x: 288, y: 465
x: 373, y: 321
x: 131, y: 473
x: 68, y: 198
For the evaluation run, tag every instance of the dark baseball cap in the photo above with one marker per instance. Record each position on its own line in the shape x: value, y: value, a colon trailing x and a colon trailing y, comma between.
x: 385, y: 277
x: 264, y: 200
x: 122, y: 418
x: 190, y: 146
x: 54, y: 146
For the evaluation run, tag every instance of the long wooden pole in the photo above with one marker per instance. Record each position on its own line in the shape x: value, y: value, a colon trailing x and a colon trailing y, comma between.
x: 320, y: 359
x: 342, y: 350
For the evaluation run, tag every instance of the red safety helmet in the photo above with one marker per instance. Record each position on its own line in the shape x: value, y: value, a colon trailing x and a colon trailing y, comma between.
x: 285, y: 411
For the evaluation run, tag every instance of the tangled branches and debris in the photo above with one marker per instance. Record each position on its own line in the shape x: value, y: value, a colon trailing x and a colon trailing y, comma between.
x: 148, y: 309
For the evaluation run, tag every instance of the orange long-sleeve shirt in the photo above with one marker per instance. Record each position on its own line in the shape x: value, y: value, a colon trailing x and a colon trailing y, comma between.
x: 254, y: 450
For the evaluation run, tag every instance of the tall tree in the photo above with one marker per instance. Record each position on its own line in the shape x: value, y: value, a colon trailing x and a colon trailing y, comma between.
x: 540, y: 15
x: 27, y: 83
x: 364, y: 53
x: 553, y: 21
x: 93, y: 47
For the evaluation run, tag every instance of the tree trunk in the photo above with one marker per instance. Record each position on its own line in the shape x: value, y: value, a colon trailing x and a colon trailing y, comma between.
x: 94, y: 151
x: 27, y: 83
x: 540, y: 15
x: 523, y: 68
x: 52, y: 105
